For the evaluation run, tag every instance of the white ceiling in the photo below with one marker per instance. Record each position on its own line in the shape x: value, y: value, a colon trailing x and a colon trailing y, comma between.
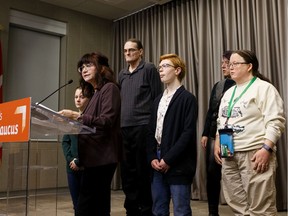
x: 107, y: 9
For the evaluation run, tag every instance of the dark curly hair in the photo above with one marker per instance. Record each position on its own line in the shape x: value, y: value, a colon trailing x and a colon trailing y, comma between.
x: 104, y: 73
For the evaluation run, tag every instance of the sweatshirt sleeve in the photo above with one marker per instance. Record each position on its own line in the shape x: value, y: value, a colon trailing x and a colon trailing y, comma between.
x: 273, y: 112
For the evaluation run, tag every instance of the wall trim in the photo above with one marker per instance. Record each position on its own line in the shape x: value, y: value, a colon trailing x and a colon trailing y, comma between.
x: 38, y: 22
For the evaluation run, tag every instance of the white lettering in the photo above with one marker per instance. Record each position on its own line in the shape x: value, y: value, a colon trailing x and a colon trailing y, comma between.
x: 8, y: 130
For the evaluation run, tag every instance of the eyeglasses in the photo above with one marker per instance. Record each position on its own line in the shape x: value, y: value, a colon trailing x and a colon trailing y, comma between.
x: 130, y: 50
x: 233, y: 64
x: 164, y: 66
x: 89, y: 65
x: 225, y: 62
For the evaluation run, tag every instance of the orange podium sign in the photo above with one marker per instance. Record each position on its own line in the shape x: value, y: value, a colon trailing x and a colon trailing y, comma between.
x: 15, y: 120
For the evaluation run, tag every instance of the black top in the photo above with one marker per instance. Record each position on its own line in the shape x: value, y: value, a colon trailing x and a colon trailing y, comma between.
x: 178, y: 142
x: 210, y: 126
x: 138, y: 91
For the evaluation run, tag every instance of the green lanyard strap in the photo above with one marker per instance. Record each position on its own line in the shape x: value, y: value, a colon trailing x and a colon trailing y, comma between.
x: 231, y: 105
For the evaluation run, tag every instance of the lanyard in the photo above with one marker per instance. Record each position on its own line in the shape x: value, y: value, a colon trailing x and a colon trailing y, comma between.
x: 231, y: 105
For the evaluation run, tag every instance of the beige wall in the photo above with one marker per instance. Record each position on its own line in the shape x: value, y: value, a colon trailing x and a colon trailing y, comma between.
x: 85, y: 33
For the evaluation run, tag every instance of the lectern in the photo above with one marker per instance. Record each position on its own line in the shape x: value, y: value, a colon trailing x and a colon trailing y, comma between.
x: 32, y: 173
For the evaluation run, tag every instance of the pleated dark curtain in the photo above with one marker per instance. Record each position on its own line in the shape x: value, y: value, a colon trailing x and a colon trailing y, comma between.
x: 199, y: 31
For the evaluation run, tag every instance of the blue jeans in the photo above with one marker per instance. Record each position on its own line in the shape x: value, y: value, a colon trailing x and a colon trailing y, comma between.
x: 162, y: 192
x: 74, y: 183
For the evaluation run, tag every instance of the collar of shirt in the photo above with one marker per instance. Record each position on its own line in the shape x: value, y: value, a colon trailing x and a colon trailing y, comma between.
x: 139, y: 67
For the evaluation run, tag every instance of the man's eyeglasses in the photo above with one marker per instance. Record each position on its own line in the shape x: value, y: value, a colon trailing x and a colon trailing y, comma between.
x: 225, y: 62
x: 89, y: 65
x: 164, y: 66
x: 131, y: 50
x: 233, y: 64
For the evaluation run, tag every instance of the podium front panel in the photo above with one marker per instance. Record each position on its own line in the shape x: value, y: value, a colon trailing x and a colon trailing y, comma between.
x: 31, y: 183
x: 33, y: 174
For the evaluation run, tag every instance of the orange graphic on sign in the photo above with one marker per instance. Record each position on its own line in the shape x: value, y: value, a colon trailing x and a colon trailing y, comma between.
x: 15, y: 120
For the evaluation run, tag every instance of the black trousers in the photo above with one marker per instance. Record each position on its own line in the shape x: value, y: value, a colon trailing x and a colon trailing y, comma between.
x: 135, y: 172
x: 95, y: 191
x: 213, y: 171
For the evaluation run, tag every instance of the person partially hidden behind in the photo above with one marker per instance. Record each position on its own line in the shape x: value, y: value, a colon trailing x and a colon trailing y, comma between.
x: 213, y: 169
x: 252, y: 114
x: 70, y: 150
x: 171, y: 141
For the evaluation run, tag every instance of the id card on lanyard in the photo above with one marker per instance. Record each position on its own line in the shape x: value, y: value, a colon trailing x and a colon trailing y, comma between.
x: 226, y: 134
x: 226, y: 142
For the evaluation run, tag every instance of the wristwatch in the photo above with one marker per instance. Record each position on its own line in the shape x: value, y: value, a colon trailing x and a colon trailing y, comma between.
x: 268, y: 148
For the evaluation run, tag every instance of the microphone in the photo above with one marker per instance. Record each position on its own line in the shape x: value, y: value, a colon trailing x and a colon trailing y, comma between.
x: 69, y: 82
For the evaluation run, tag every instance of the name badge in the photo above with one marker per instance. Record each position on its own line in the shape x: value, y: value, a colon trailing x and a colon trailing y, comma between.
x: 226, y: 142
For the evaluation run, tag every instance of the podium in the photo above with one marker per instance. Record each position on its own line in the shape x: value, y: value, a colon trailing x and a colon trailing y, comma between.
x: 33, y: 170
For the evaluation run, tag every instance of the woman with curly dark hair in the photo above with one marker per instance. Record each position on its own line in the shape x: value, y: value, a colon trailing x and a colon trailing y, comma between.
x: 100, y: 152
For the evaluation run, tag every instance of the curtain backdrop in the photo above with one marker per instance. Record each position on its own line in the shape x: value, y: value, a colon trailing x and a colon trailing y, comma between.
x: 199, y: 31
